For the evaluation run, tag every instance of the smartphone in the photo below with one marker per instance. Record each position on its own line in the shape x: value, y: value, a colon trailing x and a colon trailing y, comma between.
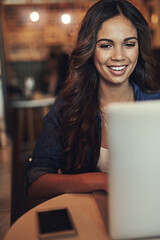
x: 55, y: 223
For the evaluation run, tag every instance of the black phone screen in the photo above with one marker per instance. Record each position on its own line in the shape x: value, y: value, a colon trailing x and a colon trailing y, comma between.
x: 56, y: 220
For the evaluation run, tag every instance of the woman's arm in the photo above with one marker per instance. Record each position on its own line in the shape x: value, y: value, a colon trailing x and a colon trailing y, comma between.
x: 50, y: 185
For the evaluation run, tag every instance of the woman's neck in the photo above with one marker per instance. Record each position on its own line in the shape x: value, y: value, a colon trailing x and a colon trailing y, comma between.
x: 115, y: 93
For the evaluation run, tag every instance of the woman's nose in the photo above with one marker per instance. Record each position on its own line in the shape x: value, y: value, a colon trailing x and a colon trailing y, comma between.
x: 118, y: 54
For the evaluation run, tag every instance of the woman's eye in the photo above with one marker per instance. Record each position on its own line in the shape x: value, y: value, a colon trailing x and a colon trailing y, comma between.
x: 105, y: 46
x: 129, y: 45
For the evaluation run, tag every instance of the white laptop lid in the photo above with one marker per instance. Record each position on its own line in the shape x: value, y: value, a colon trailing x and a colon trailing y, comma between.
x: 134, y: 165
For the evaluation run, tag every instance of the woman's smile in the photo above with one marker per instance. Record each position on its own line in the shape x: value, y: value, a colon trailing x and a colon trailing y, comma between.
x: 117, y: 70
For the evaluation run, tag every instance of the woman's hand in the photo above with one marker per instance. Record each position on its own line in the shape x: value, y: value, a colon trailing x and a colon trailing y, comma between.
x: 104, y: 181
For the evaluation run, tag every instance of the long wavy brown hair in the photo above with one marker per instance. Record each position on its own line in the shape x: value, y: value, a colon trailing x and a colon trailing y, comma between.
x: 81, y: 93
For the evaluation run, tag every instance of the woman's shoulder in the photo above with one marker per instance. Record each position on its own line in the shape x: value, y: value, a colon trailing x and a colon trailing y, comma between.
x: 140, y: 95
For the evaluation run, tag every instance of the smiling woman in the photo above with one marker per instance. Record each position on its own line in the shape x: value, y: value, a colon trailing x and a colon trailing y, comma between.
x: 116, y: 57
x: 111, y: 62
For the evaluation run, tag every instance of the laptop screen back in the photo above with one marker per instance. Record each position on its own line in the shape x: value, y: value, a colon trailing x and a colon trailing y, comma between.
x: 134, y: 166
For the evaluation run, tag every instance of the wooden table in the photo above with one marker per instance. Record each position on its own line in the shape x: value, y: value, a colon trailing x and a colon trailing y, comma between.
x: 89, y: 212
x: 25, y: 110
x: 84, y: 210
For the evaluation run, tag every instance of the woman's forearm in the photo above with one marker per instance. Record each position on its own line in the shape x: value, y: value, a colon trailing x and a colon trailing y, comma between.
x: 50, y: 185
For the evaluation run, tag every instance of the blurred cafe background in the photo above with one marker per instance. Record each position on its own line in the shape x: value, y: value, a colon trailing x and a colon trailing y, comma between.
x: 36, y: 38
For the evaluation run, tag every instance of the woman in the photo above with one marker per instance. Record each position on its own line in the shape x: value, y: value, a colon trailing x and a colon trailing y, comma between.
x: 110, y: 63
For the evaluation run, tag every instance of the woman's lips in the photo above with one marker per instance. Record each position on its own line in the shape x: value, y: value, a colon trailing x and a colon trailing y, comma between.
x: 117, y: 70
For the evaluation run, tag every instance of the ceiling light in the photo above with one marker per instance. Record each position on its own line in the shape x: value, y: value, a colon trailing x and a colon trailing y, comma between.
x: 34, y: 16
x: 66, y: 18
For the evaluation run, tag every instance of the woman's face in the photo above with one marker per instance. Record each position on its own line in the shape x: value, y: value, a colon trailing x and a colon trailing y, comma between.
x: 117, y: 50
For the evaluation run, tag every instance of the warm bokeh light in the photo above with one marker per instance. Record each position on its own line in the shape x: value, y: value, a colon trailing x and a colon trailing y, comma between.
x: 34, y: 16
x: 154, y: 18
x: 66, y: 18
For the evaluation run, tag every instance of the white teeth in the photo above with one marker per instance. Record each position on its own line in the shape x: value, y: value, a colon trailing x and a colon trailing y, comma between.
x: 118, y: 68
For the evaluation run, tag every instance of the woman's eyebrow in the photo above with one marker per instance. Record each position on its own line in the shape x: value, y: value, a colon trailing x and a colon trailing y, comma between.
x: 111, y: 41
x: 130, y: 38
x: 105, y: 39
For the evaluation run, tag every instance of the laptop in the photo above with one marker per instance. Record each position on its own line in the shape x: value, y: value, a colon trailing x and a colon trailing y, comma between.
x: 134, y: 169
